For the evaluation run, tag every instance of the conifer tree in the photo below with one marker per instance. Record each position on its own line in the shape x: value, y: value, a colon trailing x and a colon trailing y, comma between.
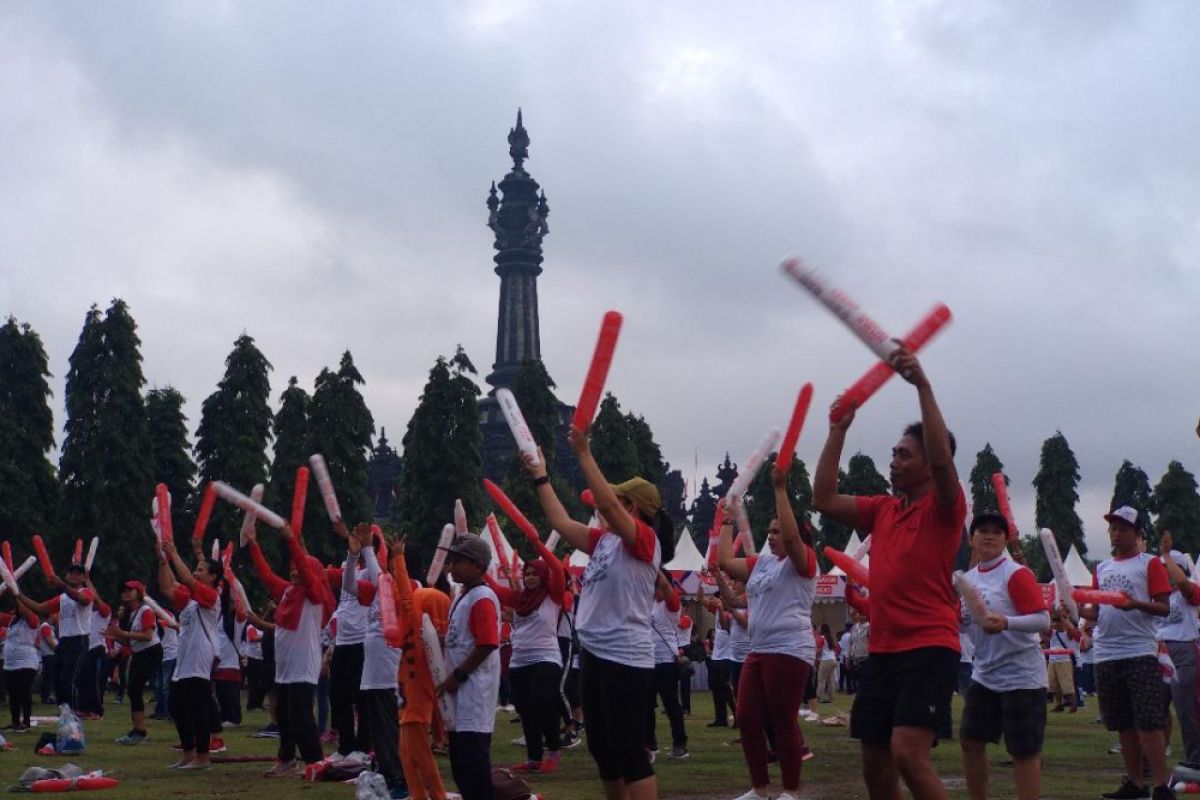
x: 441, y: 458
x: 674, y: 491
x: 106, y: 467
x: 234, y: 431
x: 171, y: 457
x: 703, y: 512
x: 1131, y: 487
x: 650, y: 464
x: 28, y: 486
x: 1178, y: 507
x: 612, y: 442
x: 983, y: 493
x: 760, y: 497
x: 1057, y: 483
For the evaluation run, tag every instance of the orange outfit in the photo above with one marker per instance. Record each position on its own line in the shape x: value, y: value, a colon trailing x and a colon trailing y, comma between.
x: 420, y: 706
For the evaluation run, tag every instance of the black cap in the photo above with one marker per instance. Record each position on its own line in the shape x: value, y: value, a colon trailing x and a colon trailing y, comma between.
x: 989, y: 515
x: 472, y: 548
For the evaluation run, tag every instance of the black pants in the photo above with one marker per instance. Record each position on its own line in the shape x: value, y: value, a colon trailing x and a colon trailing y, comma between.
x: 666, y: 687
x: 535, y: 694
x: 615, y: 697
x: 19, y: 685
x: 68, y: 669
x: 345, y: 676
x: 258, y: 682
x: 471, y: 764
x: 46, y: 682
x: 190, y: 701
x: 718, y: 683
x: 382, y: 706
x: 91, y: 680
x: 229, y: 700
x: 142, y: 665
x: 297, y: 725
x: 685, y: 692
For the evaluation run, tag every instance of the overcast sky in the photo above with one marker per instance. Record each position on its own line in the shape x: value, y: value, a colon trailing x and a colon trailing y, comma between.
x: 314, y: 174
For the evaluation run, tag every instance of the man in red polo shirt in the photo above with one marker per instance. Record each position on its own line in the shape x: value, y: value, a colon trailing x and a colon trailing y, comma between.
x: 914, y: 651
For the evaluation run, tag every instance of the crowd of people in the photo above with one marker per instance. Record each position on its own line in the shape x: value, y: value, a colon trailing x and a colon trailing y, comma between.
x: 592, y: 656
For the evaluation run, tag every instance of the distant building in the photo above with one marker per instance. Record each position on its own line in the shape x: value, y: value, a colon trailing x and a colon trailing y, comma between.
x: 385, y: 468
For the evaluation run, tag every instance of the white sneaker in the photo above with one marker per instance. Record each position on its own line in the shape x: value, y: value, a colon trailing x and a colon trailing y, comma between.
x: 519, y: 741
x: 753, y: 795
x: 786, y: 796
x: 359, y: 757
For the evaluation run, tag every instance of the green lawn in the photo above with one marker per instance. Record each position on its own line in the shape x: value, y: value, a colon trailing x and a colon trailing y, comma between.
x: 1077, y: 762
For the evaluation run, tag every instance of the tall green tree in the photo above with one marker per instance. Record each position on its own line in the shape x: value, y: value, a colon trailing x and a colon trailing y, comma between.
x: 171, y: 457
x: 674, y: 490
x: 861, y: 478
x: 649, y: 455
x: 293, y: 446
x: 28, y: 486
x: 234, y: 431
x: 703, y: 512
x: 341, y: 426
x: 441, y: 458
x: 612, y: 442
x: 1178, y: 506
x: 107, y: 469
x: 983, y: 493
x: 1057, y: 484
x: 760, y: 497
x: 1131, y: 487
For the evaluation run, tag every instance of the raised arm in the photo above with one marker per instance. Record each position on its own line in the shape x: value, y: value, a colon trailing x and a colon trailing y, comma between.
x: 789, y: 530
x: 842, y: 508
x: 274, y: 584
x: 507, y: 595
x: 738, y: 568
x: 937, y: 437
x: 576, y: 533
x: 619, y: 520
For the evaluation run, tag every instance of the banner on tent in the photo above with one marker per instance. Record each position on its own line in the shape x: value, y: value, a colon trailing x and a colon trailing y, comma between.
x: 830, y: 588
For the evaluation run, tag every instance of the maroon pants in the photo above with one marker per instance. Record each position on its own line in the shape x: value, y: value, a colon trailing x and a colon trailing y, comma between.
x: 769, y: 693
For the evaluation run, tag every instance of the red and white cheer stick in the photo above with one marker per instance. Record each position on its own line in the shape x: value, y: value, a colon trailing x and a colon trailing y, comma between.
x: 6, y: 554
x: 207, y: 503
x: 10, y: 580
x: 460, y: 517
x: 26, y: 565
x: 750, y: 469
x: 863, y: 549
x: 163, y: 614
x: 437, y: 668
x: 783, y: 461
x: 744, y: 537
x: 970, y: 595
x: 1099, y: 597
x: 234, y: 497
x: 714, y: 533
x: 502, y: 548
x: 873, y: 379
x: 1005, y: 508
x: 321, y: 471
x: 516, y: 423
x: 388, y: 619
x: 552, y: 540
x: 77, y: 553
x: 39, y: 547
x: 855, y: 571
x: 511, y: 511
x: 593, y: 384
x: 90, y: 558
x: 1061, y: 583
x: 249, y: 517
x: 842, y: 306
x: 165, y: 527
x: 439, y: 555
x: 299, y: 496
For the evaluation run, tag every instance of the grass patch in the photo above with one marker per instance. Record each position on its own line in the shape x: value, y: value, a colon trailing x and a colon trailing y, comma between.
x: 1077, y: 762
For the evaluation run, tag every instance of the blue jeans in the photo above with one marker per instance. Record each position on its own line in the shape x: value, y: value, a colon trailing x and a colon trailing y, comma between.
x: 162, y: 689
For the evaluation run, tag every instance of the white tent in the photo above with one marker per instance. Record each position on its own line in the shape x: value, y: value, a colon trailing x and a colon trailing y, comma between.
x: 687, y: 557
x: 1077, y: 572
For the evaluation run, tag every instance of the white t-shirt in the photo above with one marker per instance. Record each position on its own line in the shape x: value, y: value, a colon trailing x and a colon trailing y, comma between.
x: 1008, y: 660
x: 720, y: 651
x: 43, y: 645
x: 664, y: 623
x: 252, y: 643
x: 844, y: 645
x: 535, y: 636
x: 197, y: 636
x: 475, y: 700
x: 143, y: 617
x: 1061, y: 640
x: 351, y: 614
x: 20, y: 646
x: 228, y: 656
x: 966, y: 648
x: 779, y: 601
x: 170, y: 643
x: 617, y: 597
x: 1180, y: 625
x: 381, y: 661
x: 739, y: 639
x: 99, y: 625
x: 298, y: 652
x: 74, y: 619
x: 1128, y: 634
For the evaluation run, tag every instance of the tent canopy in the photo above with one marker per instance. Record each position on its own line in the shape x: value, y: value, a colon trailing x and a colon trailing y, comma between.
x: 687, y: 556
x: 1077, y: 572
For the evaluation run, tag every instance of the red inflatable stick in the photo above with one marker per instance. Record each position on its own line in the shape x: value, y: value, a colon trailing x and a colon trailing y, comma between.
x: 205, y: 514
x: 387, y: 611
x: 714, y: 533
x: 299, y: 495
x: 164, y: 512
x: 377, y: 536
x: 1098, y: 597
x: 593, y: 384
x: 1057, y: 651
x: 6, y: 550
x: 39, y: 547
x: 855, y: 571
x: 512, y: 512
x: 77, y: 553
x: 783, y: 461
x: 81, y: 783
x: 1003, y: 505
x: 588, y: 498
x: 501, y: 547
x: 874, y: 378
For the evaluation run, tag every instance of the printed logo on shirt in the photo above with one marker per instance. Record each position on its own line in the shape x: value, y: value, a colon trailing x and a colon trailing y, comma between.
x: 1117, y: 582
x: 597, y: 568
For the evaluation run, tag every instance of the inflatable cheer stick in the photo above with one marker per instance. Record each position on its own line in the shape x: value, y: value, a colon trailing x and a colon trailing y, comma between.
x: 1054, y: 558
x: 588, y: 498
x: 552, y: 540
x: 299, y: 495
x: 873, y: 379
x: 1057, y: 651
x: 249, y: 517
x: 855, y: 571
x: 460, y: 517
x: 43, y: 557
x: 90, y: 558
x: 970, y: 595
x: 744, y: 537
x: 783, y: 461
x: 215, y: 553
x: 593, y: 384
x: 1003, y: 504
x: 19, y: 571
x: 377, y: 536
x: 750, y: 469
x: 82, y: 783
x: 439, y: 555
x: 863, y: 549
x: 841, y: 306
x: 516, y: 423
x: 511, y: 511
x: 437, y: 668
x: 321, y: 471
x: 165, y: 527
x: 234, y: 497
x: 388, y: 619
x: 501, y: 546
x: 207, y: 502
x: 77, y: 553
x: 163, y: 614
x: 6, y: 553
x: 714, y: 533
x: 10, y: 580
x: 1098, y: 597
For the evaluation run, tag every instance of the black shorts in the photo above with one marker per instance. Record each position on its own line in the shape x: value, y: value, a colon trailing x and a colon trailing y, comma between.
x: 1131, y: 694
x: 1019, y: 714
x: 905, y: 690
x: 810, y: 686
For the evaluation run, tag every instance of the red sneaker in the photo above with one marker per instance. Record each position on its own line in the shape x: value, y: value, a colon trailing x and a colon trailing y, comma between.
x: 550, y: 764
x: 216, y: 745
x: 527, y: 766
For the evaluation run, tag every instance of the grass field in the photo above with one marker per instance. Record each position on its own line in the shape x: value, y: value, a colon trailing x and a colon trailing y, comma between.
x: 1077, y: 762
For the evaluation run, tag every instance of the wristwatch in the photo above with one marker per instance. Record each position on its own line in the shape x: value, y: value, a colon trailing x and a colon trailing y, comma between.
x: 541, y: 481
x: 461, y: 676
